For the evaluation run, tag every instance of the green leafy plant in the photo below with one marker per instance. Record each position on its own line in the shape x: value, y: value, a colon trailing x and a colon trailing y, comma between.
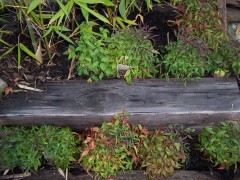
x: 201, y: 19
x: 99, y: 55
x: 25, y: 147
x: 111, y: 148
x: 164, y: 150
x: 132, y: 47
x: 225, y: 58
x: 59, y: 145
x: 93, y: 57
x: 19, y: 147
x: 221, y: 144
x: 183, y: 61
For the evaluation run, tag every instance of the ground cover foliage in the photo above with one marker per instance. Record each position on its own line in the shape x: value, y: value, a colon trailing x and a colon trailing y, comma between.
x: 124, y: 39
x: 118, y: 146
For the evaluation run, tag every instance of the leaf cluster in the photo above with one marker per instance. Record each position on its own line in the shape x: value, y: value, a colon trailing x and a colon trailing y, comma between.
x: 165, y: 150
x: 27, y: 147
x: 202, y: 19
x: 120, y: 146
x: 99, y: 54
x: 221, y: 144
x: 183, y: 61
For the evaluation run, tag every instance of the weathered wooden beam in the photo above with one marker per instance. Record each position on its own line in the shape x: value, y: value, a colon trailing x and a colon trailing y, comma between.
x: 233, y: 15
x: 133, y: 175
x: 235, y: 3
x: 223, y: 12
x: 152, y: 103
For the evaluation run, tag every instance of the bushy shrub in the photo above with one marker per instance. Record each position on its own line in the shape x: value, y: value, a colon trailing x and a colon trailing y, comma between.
x: 112, y: 147
x: 120, y: 146
x: 164, y: 150
x: 221, y: 145
x: 183, y: 61
x: 99, y: 54
x: 26, y: 147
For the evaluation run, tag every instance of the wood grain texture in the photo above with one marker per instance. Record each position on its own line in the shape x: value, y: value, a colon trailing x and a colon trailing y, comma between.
x: 134, y: 175
x: 152, y: 103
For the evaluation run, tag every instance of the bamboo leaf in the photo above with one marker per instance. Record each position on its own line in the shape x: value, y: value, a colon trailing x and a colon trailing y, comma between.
x: 48, y: 32
x: 28, y: 52
x: 33, y: 5
x: 64, y: 37
x: 19, y: 57
x: 60, y: 28
x: 97, y: 15
x: 7, y: 52
x: 4, y: 42
x: 59, y: 14
x: 62, y: 7
x: 85, y: 14
x: 105, y: 2
x: 122, y: 9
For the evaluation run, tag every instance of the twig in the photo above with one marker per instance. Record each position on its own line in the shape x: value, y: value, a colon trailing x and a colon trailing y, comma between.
x: 16, y: 176
x: 29, y: 88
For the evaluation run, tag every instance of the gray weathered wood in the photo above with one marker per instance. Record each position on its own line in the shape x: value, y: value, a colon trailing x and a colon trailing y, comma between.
x: 152, y: 103
x: 134, y: 175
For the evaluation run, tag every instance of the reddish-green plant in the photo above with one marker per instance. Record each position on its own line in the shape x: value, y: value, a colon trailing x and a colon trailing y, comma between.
x: 163, y: 151
x: 113, y: 147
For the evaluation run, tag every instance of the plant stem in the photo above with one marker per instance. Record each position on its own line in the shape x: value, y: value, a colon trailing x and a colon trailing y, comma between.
x: 30, y: 29
x: 45, y: 38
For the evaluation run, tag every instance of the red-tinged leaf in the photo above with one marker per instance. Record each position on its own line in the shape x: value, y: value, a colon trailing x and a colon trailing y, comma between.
x: 87, y: 140
x: 92, y: 145
x: 8, y: 90
x: 222, y: 166
x: 95, y: 129
x: 145, y: 131
x: 85, y: 152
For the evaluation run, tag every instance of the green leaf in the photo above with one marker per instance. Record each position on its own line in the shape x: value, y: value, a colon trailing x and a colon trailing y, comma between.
x: 28, y: 52
x: 4, y: 42
x: 33, y: 5
x: 103, y: 66
x: 122, y: 9
x: 19, y: 57
x: 59, y: 14
x: 85, y: 14
x: 7, y: 52
x: 97, y: 15
x: 64, y: 37
x: 63, y: 8
x: 48, y: 32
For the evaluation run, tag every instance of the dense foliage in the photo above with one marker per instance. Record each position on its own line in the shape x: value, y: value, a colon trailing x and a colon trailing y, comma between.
x: 120, y: 146
x: 99, y: 54
x: 26, y: 147
x: 221, y: 144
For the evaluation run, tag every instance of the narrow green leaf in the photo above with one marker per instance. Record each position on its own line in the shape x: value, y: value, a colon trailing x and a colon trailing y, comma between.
x: 56, y: 16
x: 60, y: 28
x: 122, y: 9
x: 19, y: 56
x: 63, y: 8
x: 4, y: 42
x: 97, y: 15
x: 33, y: 5
x: 28, y: 52
x: 48, y: 32
x: 64, y: 37
x: 7, y: 52
x: 105, y: 2
x: 85, y: 14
